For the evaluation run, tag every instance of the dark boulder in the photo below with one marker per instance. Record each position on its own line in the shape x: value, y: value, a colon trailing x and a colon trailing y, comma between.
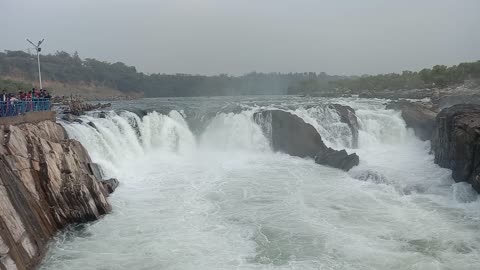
x: 78, y: 121
x: 110, y: 185
x: 69, y: 117
x: 456, y: 142
x: 417, y: 116
x: 92, y: 125
x: 338, y: 159
x: 288, y: 133
x: 348, y: 116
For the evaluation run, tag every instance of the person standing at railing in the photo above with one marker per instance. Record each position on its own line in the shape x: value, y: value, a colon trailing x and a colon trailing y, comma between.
x: 46, y: 94
x: 8, y: 105
x: 15, y: 105
x: 3, y: 104
x: 29, y: 101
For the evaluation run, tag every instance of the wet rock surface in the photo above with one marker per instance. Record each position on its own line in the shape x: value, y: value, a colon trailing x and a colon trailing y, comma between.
x: 338, y: 159
x: 45, y: 185
x: 455, y: 142
x: 74, y: 109
x: 110, y: 184
x: 288, y: 133
x: 79, y: 108
x: 418, y: 116
x: 347, y: 116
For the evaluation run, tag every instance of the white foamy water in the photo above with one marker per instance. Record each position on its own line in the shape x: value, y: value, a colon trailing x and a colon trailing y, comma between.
x: 223, y: 200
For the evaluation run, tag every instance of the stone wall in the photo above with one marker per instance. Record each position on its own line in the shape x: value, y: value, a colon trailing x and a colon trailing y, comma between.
x: 45, y: 185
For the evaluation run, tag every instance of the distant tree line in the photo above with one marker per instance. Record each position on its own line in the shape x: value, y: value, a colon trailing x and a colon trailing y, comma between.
x: 439, y: 76
x: 66, y: 68
x: 70, y: 68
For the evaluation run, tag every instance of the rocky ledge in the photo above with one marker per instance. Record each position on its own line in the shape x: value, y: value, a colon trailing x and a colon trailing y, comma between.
x: 418, y: 116
x: 74, y: 109
x: 288, y: 133
x: 455, y: 142
x: 45, y: 185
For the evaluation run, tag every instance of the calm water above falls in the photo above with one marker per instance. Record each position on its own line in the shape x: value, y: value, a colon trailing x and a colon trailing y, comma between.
x: 201, y: 189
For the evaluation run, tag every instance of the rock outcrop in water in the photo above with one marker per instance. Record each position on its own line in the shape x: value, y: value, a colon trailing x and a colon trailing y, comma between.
x: 337, y: 159
x: 417, y: 116
x: 456, y: 142
x: 288, y: 133
x: 45, y: 185
x: 347, y: 116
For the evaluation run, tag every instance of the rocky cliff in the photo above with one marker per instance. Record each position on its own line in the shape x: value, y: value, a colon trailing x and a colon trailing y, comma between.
x: 456, y: 142
x: 45, y: 185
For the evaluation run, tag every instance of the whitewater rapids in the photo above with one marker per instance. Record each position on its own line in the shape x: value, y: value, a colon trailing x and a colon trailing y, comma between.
x: 217, y: 197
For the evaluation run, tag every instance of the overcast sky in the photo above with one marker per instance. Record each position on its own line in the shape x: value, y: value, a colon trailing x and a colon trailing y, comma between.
x: 238, y: 36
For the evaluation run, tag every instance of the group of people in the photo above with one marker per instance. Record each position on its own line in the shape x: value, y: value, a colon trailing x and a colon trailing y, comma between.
x: 15, y: 104
x: 24, y: 96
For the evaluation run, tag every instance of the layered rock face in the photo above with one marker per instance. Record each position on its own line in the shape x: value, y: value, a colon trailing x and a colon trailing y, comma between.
x: 416, y: 116
x: 288, y: 133
x: 456, y: 142
x: 45, y: 185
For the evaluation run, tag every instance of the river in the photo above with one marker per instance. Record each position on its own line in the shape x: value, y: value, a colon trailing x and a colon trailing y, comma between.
x: 201, y: 189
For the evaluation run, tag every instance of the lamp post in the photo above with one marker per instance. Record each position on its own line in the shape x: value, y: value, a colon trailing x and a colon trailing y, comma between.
x: 38, y: 49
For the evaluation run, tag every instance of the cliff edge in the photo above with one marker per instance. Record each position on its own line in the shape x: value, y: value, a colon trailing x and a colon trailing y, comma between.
x: 45, y: 185
x: 455, y: 142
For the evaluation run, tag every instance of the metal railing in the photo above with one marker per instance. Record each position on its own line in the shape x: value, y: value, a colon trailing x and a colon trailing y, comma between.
x: 17, y: 107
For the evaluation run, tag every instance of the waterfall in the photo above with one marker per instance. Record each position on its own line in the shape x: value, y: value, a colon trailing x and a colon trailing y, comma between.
x: 220, y: 198
x: 123, y: 136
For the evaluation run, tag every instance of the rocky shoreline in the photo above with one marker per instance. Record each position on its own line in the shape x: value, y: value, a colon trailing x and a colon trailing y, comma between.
x: 452, y: 124
x: 46, y: 184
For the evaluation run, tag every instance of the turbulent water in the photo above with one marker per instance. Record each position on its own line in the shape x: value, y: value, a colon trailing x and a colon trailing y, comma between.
x: 201, y: 189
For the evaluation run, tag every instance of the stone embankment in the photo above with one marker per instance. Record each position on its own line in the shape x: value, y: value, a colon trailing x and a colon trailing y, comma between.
x: 45, y: 185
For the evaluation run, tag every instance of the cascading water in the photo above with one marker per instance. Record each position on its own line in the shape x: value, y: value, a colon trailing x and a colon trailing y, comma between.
x: 222, y: 199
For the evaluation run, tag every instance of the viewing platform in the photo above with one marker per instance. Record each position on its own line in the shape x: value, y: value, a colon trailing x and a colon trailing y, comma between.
x: 25, y: 111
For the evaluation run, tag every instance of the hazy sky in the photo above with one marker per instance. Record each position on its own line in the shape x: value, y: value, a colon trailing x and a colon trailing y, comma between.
x: 239, y: 36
